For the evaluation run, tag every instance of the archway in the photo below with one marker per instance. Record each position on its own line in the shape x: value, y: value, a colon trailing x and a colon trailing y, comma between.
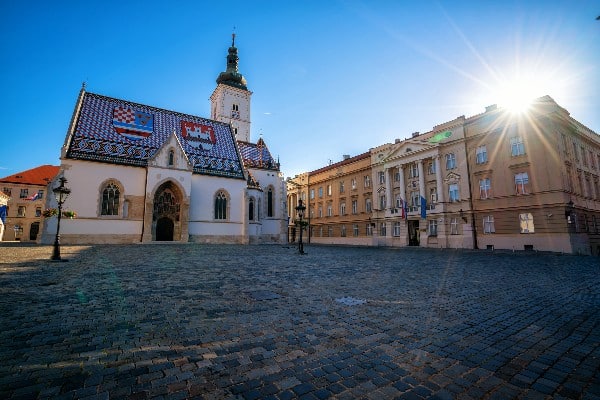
x: 164, y: 229
x: 166, y: 213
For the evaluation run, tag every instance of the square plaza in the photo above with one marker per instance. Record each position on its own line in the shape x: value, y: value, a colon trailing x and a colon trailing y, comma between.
x: 262, y: 322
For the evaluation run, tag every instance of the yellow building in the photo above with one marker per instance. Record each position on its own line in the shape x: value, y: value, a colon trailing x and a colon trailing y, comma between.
x: 497, y: 180
x: 27, y: 193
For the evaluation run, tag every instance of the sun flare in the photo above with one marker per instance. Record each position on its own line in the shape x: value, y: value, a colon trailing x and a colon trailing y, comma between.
x: 518, y: 94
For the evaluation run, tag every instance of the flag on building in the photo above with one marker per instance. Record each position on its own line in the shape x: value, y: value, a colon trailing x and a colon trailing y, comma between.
x: 3, y: 214
x: 402, y: 207
x: 35, y: 196
x: 423, y: 207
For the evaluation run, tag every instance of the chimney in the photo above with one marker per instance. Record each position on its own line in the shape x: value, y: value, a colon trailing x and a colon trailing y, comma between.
x: 346, y: 157
x: 415, y: 134
x: 491, y: 108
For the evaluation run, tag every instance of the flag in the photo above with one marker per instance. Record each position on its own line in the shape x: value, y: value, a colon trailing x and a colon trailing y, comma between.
x: 3, y: 214
x: 402, y: 205
x: 35, y: 196
x: 404, y: 209
x: 423, y: 207
x: 132, y: 124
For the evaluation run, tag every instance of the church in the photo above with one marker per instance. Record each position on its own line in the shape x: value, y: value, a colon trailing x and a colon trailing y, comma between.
x: 138, y: 173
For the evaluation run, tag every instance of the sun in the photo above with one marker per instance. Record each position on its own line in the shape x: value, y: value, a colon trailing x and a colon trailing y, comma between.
x: 516, y: 95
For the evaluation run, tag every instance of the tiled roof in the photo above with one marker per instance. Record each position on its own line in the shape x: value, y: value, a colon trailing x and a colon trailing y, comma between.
x: 121, y: 132
x: 41, y: 176
x: 257, y: 155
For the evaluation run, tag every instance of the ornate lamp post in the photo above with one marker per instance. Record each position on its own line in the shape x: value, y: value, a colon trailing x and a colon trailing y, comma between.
x: 60, y: 193
x: 300, y: 210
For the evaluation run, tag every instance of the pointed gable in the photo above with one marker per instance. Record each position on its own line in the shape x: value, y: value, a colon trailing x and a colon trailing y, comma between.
x: 257, y: 155
x: 120, y: 132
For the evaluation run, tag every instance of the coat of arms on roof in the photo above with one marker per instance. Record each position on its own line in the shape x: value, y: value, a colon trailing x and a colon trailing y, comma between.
x: 132, y: 124
x: 199, y: 136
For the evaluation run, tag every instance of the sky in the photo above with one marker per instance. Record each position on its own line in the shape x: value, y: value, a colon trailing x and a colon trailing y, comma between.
x: 329, y: 77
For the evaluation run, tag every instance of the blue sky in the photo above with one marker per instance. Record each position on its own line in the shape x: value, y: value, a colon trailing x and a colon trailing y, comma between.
x: 329, y: 77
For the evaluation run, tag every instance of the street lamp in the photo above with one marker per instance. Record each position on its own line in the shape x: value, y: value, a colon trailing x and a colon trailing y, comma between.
x: 300, y: 210
x: 60, y: 193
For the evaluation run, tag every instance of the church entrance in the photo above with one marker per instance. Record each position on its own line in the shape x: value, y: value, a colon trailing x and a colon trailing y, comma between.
x: 164, y: 229
x: 166, y: 225
x: 413, y: 232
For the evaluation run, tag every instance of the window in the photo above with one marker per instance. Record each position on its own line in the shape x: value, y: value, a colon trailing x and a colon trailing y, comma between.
x: 320, y: 211
x: 368, y: 205
x: 321, y: 231
x: 354, y: 206
x: 321, y: 192
x: 450, y: 161
x: 592, y: 160
x: 367, y: 181
x: 583, y: 157
x: 6, y: 191
x: 398, y: 201
x: 21, y: 211
x: 355, y: 230
x: 40, y: 194
x: 353, y: 183
x: 330, y: 231
x: 396, y: 231
x: 343, y: 209
x: 328, y: 190
x: 312, y: 194
x: 521, y: 183
x: 397, y: 176
x: 381, y: 175
x: 453, y: 192
x: 432, y: 227
x: 481, y: 155
x: 413, y: 170
x: 454, y: 226
x: 517, y: 147
x: 431, y: 168
x: 110, y: 200
x: 484, y: 188
x: 433, y: 195
x: 303, y: 196
x: 488, y: 224
x: 382, y: 202
x: 369, y: 230
x: 526, y: 223
x: 171, y: 160
x: 329, y: 210
x: 575, y: 152
x: 270, y: 202
x: 221, y: 205
x: 251, y: 209
x: 38, y: 211
x: 383, y: 229
x: 24, y: 194
x: 415, y: 199
x: 343, y: 231
x: 342, y: 187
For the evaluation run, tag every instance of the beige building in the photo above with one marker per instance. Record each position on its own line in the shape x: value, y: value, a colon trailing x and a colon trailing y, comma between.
x: 27, y: 193
x: 497, y: 180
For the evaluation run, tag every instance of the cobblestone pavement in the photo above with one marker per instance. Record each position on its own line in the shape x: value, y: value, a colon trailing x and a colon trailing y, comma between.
x: 262, y: 322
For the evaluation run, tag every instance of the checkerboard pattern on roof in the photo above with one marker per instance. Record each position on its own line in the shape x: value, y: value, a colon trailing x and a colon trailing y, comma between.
x: 96, y: 139
x: 255, y: 156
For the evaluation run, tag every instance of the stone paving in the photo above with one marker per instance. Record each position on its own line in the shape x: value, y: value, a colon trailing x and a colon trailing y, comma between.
x: 179, y: 321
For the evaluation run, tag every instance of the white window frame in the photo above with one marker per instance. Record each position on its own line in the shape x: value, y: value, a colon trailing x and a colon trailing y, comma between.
x: 454, y: 226
x: 354, y: 206
x: 355, y: 230
x: 383, y: 229
x: 488, y: 224
x: 453, y: 192
x: 481, y: 155
x: 485, y: 185
x: 521, y: 182
x: 397, y: 228
x: 342, y: 208
x: 368, y: 205
x: 381, y: 175
x: 432, y: 227
x: 450, y: 161
x: 369, y: 229
x: 517, y: 146
x: 526, y: 223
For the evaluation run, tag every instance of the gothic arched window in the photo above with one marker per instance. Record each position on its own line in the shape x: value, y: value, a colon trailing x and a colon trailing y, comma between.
x: 110, y: 200
x: 221, y: 205
x: 270, y: 202
x: 171, y: 158
x: 251, y: 209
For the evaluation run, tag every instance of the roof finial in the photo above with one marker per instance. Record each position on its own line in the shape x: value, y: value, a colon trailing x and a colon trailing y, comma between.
x: 233, y: 37
x: 83, y: 85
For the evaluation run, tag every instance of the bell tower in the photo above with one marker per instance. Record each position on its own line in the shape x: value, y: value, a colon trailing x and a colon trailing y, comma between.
x: 230, y: 101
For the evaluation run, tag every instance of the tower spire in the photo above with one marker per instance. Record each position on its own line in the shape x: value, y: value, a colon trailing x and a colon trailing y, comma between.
x: 231, y: 76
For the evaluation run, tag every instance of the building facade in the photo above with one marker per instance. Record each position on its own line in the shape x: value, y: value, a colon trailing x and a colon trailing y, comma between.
x: 138, y: 173
x: 496, y: 180
x: 24, y: 195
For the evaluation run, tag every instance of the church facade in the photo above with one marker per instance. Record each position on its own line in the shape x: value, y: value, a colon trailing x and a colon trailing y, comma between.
x: 138, y: 173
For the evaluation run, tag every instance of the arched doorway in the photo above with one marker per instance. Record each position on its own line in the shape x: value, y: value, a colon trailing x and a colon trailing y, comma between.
x: 166, y: 213
x: 164, y: 229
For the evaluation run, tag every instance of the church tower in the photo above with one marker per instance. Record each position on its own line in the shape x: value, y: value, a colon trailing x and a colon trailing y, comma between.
x: 230, y: 101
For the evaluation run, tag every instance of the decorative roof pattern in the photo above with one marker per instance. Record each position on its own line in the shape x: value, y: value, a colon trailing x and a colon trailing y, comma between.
x: 41, y: 176
x: 121, y: 132
x: 257, y: 155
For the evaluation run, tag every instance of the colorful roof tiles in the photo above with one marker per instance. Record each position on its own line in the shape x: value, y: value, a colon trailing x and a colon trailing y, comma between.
x: 121, y: 132
x: 257, y: 155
